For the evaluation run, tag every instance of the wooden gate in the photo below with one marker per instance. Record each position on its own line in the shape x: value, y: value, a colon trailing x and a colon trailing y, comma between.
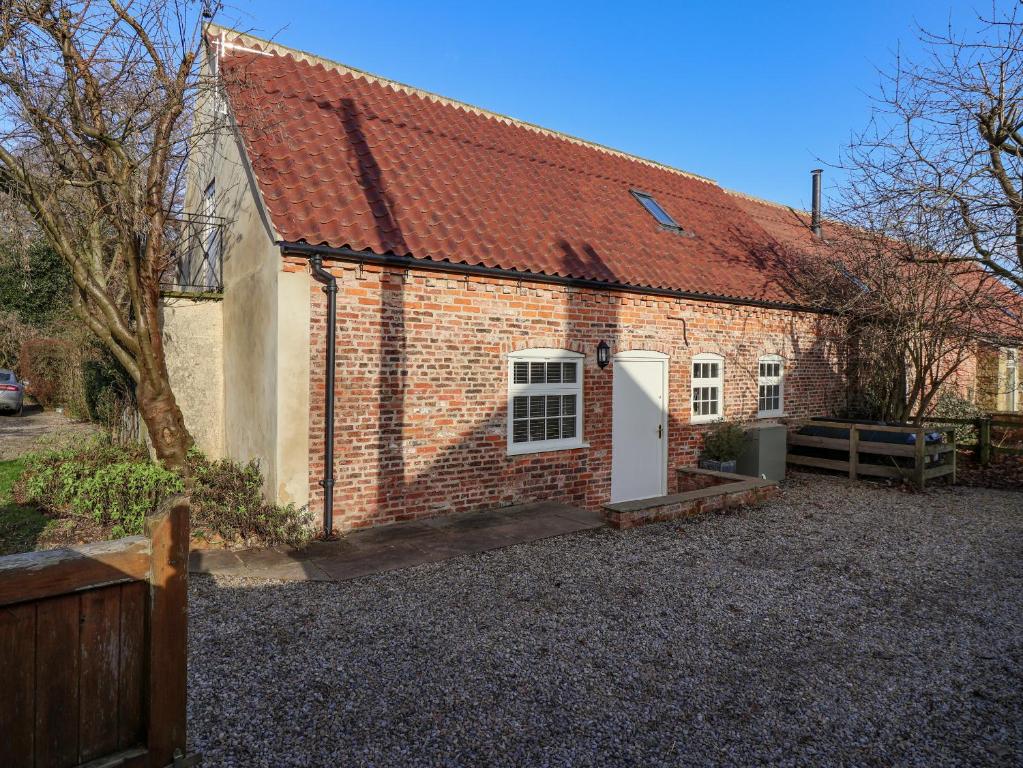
x: 93, y: 644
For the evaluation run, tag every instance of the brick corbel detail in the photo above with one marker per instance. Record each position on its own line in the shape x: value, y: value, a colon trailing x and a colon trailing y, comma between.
x: 545, y: 343
x: 628, y: 344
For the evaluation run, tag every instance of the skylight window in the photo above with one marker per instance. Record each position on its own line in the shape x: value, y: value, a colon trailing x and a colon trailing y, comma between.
x: 655, y: 210
x: 853, y: 279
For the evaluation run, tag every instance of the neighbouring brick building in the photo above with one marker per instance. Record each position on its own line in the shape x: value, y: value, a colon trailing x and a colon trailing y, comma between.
x: 481, y: 263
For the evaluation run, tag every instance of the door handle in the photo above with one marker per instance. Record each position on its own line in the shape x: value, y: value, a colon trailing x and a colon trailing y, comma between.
x: 660, y: 431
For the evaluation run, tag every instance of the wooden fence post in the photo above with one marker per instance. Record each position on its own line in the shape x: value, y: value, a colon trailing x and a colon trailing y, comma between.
x: 955, y: 458
x: 854, y: 450
x: 166, y: 691
x: 984, y: 440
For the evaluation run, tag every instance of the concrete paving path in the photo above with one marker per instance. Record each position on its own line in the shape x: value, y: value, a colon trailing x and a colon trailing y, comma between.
x: 400, y: 546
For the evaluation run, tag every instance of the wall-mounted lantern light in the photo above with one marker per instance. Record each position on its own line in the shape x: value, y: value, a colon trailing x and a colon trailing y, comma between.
x: 603, y: 354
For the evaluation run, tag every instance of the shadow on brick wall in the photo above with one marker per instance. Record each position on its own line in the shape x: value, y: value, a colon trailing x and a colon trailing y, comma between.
x: 435, y: 437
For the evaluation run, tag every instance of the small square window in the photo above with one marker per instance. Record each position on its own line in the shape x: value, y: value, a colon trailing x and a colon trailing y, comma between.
x: 770, y: 396
x: 707, y: 388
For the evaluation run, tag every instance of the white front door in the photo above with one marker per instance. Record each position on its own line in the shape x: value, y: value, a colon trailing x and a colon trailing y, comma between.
x: 639, y: 429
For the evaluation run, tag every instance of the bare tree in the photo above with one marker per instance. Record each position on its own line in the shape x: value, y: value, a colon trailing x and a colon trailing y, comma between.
x: 907, y: 320
x: 94, y: 101
x: 943, y: 154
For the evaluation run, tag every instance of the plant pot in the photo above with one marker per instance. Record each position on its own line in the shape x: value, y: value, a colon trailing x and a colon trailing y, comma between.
x: 718, y: 466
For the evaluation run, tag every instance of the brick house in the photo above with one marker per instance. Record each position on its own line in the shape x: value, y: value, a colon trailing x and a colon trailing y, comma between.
x: 480, y: 264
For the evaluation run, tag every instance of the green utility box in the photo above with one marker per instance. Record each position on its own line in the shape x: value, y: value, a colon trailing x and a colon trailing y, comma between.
x: 764, y: 454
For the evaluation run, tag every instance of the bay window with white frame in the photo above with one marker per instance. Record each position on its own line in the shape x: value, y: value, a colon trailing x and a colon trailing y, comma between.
x: 770, y: 386
x: 545, y: 400
x: 708, y: 388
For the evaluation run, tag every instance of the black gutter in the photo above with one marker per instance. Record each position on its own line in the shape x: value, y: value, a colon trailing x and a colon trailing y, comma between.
x: 327, y: 483
x: 408, y: 262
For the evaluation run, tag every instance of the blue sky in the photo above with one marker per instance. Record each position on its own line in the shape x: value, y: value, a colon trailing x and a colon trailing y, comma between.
x: 751, y: 94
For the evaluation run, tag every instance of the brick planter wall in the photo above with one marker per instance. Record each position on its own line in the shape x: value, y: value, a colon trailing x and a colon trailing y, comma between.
x: 697, y: 480
x: 422, y: 385
x: 681, y: 505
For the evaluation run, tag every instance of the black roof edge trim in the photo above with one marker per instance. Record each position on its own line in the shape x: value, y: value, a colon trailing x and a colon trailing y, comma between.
x: 410, y: 262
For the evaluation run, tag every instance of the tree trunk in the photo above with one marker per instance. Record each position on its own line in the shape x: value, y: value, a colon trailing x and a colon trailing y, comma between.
x: 164, y: 421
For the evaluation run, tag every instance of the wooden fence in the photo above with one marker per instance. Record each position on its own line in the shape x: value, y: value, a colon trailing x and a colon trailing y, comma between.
x: 93, y: 651
x: 986, y: 447
x: 854, y: 448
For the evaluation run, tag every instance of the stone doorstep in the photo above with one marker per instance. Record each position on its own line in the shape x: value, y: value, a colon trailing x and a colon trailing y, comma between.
x: 730, y: 491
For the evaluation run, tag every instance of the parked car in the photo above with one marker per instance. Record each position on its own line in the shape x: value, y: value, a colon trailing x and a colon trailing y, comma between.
x: 12, y: 392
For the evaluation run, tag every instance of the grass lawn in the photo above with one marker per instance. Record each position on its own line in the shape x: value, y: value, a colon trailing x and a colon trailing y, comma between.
x: 20, y: 525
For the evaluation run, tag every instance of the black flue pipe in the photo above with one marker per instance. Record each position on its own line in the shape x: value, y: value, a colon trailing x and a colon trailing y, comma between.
x: 815, y: 213
x: 327, y: 483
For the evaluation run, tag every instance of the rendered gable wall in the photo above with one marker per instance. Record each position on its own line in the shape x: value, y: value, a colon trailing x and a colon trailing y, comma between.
x: 193, y: 339
x: 263, y: 351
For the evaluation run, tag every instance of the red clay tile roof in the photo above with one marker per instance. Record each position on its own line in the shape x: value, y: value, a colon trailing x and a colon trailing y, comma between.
x: 787, y: 226
x: 999, y: 307
x: 346, y: 159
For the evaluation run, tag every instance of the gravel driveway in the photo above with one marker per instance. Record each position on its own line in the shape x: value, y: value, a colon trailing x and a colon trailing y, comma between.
x: 842, y: 624
x: 37, y: 430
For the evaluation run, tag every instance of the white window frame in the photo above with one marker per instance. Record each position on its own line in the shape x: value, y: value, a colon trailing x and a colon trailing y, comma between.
x: 763, y: 381
x: 1011, y: 380
x: 217, y: 94
x: 210, y: 247
x: 545, y: 354
x: 718, y: 381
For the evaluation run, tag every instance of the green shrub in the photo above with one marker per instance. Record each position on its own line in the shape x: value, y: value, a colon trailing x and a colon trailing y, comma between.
x: 950, y: 406
x: 724, y: 442
x: 228, y: 503
x: 116, y: 487
x: 121, y: 495
x: 51, y: 480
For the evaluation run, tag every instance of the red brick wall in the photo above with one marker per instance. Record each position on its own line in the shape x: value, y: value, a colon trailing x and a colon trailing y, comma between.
x: 963, y: 382
x: 422, y: 385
